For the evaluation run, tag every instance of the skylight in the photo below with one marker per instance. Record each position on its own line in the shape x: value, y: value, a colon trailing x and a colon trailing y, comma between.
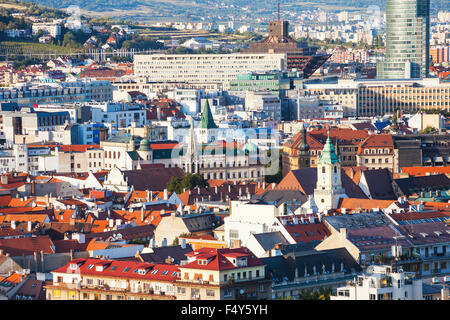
x: 126, y: 269
x: 90, y: 266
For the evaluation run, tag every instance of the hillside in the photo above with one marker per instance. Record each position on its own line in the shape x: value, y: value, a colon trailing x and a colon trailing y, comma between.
x: 182, y: 10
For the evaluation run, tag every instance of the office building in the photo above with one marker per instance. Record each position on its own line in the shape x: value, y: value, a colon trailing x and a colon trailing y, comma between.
x: 408, y: 40
x: 204, y: 69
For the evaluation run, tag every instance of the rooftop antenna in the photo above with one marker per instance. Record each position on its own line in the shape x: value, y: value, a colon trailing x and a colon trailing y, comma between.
x: 278, y: 9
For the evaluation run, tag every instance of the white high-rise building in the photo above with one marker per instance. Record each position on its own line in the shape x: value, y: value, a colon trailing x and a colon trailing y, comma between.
x: 379, y: 283
x: 204, y: 70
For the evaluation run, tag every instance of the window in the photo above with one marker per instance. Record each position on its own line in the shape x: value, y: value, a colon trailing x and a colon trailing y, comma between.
x: 85, y: 296
x: 89, y: 281
x: 181, y: 290
x: 257, y: 273
x: 108, y: 297
x: 126, y: 269
x: 227, y: 292
x: 210, y: 293
x: 56, y: 293
x: 372, y: 297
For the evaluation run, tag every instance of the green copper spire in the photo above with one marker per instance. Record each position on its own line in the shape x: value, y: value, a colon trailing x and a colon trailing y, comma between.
x: 328, y: 155
x: 207, y: 118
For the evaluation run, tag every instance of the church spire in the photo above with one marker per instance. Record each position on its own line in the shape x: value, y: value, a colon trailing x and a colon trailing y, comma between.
x: 328, y: 155
x: 207, y: 118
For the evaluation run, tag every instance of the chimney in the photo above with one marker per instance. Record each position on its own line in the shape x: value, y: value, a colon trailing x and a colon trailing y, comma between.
x: 148, y: 196
x: 142, y: 213
x: 13, y: 225
x: 215, y: 189
x: 343, y: 233
x: 4, y: 179
x: 30, y: 226
x: 183, y: 243
x: 163, y: 212
x: 168, y: 260
x: 166, y: 194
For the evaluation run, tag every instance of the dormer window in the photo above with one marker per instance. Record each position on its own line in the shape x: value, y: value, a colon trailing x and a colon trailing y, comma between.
x: 99, y: 268
x: 73, y: 266
x: 142, y: 271
x: 202, y: 261
x: 241, y: 262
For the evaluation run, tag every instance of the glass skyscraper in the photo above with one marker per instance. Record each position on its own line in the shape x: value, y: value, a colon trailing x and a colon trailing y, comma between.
x: 407, y: 40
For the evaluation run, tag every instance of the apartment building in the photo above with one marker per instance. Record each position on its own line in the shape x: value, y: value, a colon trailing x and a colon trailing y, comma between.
x: 379, y: 97
x: 58, y: 92
x: 305, y: 147
x: 204, y: 68
x: 53, y: 29
x: 381, y: 283
x: 119, y: 115
x: 376, y: 152
x: 223, y: 274
x: 265, y: 105
x: 14, y: 125
x: 100, y: 279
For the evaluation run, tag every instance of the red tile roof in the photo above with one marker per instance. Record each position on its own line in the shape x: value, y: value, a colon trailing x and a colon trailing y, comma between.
x: 218, y: 261
x: 377, y: 141
x: 122, y: 269
x: 422, y: 171
x: 27, y: 246
x: 304, y: 232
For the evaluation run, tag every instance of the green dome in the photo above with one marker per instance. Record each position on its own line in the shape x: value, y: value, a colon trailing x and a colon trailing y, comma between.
x: 251, y: 148
x: 144, y: 145
x: 328, y: 155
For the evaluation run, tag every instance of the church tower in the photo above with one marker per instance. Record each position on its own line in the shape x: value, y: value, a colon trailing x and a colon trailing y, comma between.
x: 192, y: 164
x: 329, y: 185
x: 207, y: 128
x: 303, y: 150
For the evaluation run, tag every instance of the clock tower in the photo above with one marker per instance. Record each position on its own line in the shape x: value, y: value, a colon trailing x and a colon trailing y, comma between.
x: 329, y: 185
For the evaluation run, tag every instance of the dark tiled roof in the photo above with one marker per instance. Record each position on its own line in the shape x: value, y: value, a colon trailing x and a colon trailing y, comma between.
x: 411, y: 185
x: 268, y: 240
x: 380, y: 184
x: 358, y: 220
x: 128, y: 233
x: 160, y: 254
x: 283, y: 196
x: 155, y: 179
x: 30, y: 290
x: 307, y: 179
x: 283, y: 268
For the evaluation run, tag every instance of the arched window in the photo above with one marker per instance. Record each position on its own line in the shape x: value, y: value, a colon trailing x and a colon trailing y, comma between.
x: 323, y: 169
x: 335, y: 169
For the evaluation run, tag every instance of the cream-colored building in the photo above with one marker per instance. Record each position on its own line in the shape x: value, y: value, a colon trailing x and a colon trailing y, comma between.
x: 204, y: 68
x: 379, y: 97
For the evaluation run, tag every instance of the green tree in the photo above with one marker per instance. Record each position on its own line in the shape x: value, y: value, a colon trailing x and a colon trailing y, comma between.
x: 276, y: 178
x: 188, y: 182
